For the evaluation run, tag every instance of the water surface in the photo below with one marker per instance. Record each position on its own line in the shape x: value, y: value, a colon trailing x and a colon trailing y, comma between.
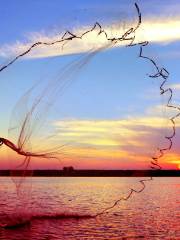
x: 153, y: 214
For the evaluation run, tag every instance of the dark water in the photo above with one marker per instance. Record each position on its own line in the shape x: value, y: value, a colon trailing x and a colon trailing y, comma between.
x: 55, y: 203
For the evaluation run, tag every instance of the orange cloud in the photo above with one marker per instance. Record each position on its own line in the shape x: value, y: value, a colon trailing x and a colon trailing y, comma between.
x: 171, y: 160
x: 128, y: 142
x: 125, y: 143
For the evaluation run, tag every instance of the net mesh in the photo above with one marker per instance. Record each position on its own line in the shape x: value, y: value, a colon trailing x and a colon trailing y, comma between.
x: 92, y: 114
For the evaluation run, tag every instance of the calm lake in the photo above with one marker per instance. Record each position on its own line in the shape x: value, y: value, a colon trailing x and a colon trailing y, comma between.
x: 52, y: 203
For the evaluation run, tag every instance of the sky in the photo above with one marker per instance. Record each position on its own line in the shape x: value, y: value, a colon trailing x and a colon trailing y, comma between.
x: 100, y: 108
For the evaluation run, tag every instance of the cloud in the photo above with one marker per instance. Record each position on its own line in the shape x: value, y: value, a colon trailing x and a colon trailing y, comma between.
x: 89, y: 42
x: 108, y: 134
x: 171, y: 160
x: 163, y: 111
x: 175, y: 86
x: 125, y: 142
x: 121, y: 143
x: 160, y: 30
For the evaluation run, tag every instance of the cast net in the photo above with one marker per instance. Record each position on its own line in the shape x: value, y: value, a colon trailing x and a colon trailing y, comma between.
x: 103, y: 103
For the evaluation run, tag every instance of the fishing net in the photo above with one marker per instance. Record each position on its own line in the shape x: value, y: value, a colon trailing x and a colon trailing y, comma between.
x: 103, y: 103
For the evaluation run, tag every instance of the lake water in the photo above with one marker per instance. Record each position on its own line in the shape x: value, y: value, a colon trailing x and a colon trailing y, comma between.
x: 55, y: 203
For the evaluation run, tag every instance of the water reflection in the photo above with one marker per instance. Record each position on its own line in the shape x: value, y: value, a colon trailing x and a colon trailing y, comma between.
x: 154, y: 214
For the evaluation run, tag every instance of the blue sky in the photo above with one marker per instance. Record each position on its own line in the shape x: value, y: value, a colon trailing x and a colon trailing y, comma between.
x: 114, y: 85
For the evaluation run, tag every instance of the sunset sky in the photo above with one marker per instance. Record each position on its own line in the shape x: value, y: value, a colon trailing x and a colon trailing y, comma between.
x: 103, y: 109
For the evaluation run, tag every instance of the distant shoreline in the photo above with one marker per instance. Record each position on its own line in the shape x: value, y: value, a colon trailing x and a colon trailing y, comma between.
x: 93, y: 173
